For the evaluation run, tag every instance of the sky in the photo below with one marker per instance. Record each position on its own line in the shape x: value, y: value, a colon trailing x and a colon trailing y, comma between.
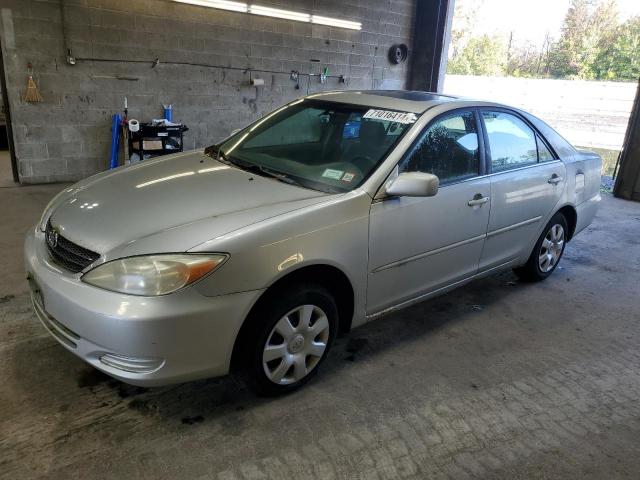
x: 530, y: 20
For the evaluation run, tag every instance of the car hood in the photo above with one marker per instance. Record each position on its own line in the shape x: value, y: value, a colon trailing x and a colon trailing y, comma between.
x: 185, y: 199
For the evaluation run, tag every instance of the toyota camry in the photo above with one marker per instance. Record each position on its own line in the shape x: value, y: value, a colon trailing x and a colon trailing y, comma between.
x: 253, y: 254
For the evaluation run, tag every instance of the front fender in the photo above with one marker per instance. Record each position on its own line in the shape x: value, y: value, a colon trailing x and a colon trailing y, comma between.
x: 334, y: 233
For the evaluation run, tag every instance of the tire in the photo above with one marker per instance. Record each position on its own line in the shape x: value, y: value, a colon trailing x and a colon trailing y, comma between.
x: 547, y: 252
x: 289, y: 337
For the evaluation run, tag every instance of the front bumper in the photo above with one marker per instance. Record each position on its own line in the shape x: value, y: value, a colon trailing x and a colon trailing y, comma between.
x: 146, y: 341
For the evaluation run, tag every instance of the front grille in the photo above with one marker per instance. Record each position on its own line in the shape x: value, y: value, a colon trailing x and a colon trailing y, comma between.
x: 67, y: 254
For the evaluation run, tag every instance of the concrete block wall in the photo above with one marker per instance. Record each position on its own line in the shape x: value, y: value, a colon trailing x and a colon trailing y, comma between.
x: 67, y: 136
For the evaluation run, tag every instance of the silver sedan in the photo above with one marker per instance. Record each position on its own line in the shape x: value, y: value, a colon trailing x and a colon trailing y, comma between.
x: 331, y: 211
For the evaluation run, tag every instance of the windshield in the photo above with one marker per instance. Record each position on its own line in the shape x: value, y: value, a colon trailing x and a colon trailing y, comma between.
x: 325, y: 146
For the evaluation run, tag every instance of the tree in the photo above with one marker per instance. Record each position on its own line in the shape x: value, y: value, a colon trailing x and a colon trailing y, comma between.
x: 592, y: 45
x: 586, y: 24
x: 524, y: 60
x: 482, y: 55
x: 619, y: 55
x: 465, y: 13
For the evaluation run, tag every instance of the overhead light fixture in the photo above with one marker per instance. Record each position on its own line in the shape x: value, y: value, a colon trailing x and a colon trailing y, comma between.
x: 335, y: 22
x: 220, y: 4
x: 277, y: 13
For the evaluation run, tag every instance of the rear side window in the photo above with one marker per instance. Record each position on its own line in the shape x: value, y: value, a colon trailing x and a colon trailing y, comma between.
x: 544, y: 155
x: 512, y: 142
x: 448, y: 149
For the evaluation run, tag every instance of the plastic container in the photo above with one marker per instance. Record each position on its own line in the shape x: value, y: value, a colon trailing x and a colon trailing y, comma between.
x: 168, y: 112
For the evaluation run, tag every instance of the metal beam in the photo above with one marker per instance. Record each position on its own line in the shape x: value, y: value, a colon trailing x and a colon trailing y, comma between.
x: 627, y: 184
x: 431, y: 34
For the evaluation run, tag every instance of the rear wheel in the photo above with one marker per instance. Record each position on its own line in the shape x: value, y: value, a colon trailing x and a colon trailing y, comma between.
x: 547, y: 252
x: 294, y: 332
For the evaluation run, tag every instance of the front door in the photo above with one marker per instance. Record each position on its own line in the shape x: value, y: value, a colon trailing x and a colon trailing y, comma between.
x: 418, y: 245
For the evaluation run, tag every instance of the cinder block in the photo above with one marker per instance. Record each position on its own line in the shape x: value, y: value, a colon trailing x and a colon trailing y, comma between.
x: 64, y: 149
x: 49, y: 167
x: 44, y: 133
x: 30, y: 151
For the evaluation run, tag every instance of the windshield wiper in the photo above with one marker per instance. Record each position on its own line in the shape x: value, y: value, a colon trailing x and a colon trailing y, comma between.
x: 215, y: 152
x: 262, y: 171
x: 279, y: 176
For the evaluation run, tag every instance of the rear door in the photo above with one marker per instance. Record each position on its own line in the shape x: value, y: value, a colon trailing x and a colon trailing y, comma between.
x: 527, y: 181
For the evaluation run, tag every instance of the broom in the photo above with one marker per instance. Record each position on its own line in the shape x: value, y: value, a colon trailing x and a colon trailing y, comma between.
x: 31, y: 94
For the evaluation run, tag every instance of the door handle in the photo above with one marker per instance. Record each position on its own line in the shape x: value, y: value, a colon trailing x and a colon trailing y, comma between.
x: 555, y: 179
x: 478, y: 199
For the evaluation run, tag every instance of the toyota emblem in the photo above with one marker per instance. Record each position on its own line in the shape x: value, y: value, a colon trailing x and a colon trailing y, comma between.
x: 52, y: 238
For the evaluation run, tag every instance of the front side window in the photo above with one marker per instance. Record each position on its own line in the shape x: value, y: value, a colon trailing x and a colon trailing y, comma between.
x: 315, y: 144
x: 447, y: 149
x: 512, y: 142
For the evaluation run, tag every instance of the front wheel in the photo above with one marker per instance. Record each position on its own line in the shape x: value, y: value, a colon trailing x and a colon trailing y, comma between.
x: 547, y: 252
x: 294, y: 332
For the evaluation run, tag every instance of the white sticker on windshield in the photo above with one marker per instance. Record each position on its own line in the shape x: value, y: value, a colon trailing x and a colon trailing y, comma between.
x: 335, y: 174
x: 398, y: 117
x: 348, y: 177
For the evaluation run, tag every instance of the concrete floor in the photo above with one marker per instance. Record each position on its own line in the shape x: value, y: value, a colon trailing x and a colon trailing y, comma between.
x: 497, y: 380
x: 6, y: 174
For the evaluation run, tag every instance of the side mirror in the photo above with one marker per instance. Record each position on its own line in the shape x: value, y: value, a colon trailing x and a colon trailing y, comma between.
x: 414, y: 184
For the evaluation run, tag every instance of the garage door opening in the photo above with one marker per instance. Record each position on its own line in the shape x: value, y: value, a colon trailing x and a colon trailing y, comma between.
x: 570, y: 62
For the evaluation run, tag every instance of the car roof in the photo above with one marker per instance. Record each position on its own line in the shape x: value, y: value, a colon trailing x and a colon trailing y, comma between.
x: 404, y: 100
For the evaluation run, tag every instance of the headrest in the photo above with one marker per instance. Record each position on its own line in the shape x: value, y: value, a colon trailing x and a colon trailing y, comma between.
x: 372, y: 131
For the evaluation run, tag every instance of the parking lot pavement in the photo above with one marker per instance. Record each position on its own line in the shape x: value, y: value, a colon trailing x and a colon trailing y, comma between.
x: 496, y: 380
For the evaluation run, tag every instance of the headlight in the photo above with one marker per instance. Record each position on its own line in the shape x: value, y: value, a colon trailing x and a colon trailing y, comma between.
x: 154, y: 274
